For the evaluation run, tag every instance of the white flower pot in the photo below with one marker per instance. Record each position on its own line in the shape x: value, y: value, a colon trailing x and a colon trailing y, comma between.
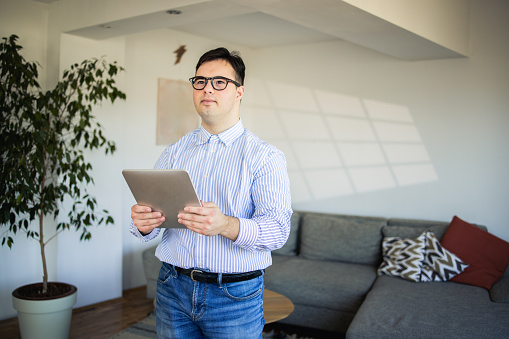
x: 48, y: 318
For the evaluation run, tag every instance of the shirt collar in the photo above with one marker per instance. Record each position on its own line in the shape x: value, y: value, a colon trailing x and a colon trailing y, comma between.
x: 227, y: 137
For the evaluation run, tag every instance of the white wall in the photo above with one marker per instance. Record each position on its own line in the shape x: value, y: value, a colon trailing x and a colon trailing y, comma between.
x: 28, y: 20
x: 95, y: 266
x: 423, y: 139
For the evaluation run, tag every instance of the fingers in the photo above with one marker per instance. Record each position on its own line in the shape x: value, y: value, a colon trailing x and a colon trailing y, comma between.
x: 204, y: 220
x: 140, y: 209
x: 145, y: 219
x: 207, y: 208
x: 209, y: 204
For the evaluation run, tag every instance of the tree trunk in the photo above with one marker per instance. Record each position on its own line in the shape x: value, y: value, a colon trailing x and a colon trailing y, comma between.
x: 43, y: 255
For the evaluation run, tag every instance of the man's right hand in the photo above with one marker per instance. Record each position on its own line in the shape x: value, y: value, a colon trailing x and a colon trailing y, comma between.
x: 144, y: 219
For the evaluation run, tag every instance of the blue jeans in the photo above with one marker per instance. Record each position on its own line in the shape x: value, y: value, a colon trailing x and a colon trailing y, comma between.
x: 187, y: 309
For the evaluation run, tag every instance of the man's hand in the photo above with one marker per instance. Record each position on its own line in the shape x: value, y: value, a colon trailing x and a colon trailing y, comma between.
x: 144, y: 219
x: 209, y: 220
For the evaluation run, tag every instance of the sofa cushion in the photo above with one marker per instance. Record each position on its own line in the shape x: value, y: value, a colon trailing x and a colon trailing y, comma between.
x: 325, y: 284
x: 403, y: 257
x: 487, y: 255
x: 499, y: 292
x: 291, y: 245
x: 411, y: 228
x: 343, y: 238
x: 397, y: 308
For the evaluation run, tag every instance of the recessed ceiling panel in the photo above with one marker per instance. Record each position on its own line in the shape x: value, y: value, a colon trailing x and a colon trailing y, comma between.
x: 255, y: 30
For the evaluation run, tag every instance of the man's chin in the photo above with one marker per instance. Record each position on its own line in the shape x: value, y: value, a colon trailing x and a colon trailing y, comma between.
x: 206, y: 114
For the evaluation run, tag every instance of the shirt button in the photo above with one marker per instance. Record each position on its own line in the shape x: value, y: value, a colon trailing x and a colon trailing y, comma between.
x: 205, y: 176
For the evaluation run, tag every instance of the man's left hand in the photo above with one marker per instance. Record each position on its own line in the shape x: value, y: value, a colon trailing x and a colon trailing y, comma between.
x: 209, y: 220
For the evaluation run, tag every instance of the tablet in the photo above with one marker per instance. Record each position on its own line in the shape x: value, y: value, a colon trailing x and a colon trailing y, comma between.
x: 165, y: 191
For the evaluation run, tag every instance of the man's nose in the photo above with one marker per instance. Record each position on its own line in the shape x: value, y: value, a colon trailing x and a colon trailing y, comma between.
x: 208, y: 86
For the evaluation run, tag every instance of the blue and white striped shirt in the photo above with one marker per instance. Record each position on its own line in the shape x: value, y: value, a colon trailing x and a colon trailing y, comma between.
x: 247, y: 178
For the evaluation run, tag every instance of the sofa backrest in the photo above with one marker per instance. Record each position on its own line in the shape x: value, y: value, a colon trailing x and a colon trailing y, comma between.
x: 412, y: 228
x: 347, y: 238
x: 350, y: 238
x: 291, y: 246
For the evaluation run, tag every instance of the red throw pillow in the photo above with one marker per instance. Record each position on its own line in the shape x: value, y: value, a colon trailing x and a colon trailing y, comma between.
x: 487, y: 255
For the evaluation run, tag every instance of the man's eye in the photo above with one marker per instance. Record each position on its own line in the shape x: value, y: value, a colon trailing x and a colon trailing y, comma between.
x: 199, y: 82
x: 220, y: 82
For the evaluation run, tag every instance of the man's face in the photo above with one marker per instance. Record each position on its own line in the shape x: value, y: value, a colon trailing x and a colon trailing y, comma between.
x: 219, y: 110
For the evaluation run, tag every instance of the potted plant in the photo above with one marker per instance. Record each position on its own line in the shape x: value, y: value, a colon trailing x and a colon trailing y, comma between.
x: 43, y: 138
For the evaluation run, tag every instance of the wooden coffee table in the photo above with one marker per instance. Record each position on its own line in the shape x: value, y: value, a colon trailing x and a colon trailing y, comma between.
x: 276, y: 306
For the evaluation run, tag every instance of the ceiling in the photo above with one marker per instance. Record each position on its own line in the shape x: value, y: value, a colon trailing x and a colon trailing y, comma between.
x: 218, y: 20
x: 268, y: 23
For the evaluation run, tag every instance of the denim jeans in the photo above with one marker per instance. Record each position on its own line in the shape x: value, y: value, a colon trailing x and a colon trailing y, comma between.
x: 187, y: 309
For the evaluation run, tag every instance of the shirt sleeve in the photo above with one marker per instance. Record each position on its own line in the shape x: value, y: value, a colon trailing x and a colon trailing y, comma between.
x: 144, y: 238
x: 269, y: 227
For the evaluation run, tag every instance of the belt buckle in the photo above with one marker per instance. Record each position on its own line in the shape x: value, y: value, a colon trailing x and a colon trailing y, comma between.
x: 194, y: 271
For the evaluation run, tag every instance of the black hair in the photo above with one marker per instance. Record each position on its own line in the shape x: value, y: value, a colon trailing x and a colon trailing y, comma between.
x: 233, y: 58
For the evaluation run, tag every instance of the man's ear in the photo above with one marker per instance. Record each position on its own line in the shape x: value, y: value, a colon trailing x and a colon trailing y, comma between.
x: 240, y: 92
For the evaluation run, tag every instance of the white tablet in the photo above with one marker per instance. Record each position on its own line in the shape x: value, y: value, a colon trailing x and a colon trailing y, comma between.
x: 165, y: 191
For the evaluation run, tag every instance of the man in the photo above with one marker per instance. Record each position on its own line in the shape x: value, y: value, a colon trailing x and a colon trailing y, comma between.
x: 211, y: 280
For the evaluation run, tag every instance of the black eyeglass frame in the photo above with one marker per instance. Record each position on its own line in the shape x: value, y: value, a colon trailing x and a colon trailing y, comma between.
x: 193, y: 79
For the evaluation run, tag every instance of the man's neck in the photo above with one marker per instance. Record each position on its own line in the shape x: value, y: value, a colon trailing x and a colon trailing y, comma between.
x: 218, y: 128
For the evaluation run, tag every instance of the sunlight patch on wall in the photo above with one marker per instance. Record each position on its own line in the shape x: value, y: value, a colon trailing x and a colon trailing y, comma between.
x: 361, y: 154
x: 337, y: 144
x: 350, y: 129
x: 309, y: 158
x: 328, y: 183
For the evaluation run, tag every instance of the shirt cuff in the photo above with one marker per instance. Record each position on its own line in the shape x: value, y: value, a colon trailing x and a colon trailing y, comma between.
x: 248, y: 234
x: 144, y: 238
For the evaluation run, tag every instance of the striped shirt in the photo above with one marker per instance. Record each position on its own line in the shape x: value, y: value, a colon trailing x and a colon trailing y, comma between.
x: 247, y: 178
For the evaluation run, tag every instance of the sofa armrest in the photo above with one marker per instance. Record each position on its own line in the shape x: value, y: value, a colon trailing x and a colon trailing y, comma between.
x: 499, y: 292
x: 151, y: 266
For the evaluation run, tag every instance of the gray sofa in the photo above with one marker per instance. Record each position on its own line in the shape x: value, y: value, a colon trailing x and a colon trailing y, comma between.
x: 328, y: 268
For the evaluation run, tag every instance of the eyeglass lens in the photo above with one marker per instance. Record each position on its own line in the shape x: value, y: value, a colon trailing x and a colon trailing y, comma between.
x: 218, y: 83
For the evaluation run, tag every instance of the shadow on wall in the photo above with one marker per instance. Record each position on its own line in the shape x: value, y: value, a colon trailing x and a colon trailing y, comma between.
x: 337, y: 145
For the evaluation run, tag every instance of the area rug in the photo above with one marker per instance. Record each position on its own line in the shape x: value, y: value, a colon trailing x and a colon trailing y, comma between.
x: 141, y: 330
x: 147, y: 329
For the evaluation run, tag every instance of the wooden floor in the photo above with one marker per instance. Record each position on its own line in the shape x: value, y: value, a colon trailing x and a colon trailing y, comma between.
x: 98, y: 321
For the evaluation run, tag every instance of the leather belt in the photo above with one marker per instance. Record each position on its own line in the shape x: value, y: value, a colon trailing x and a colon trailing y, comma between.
x: 211, y: 278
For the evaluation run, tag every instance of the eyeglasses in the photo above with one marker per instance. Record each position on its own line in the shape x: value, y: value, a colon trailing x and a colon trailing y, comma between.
x: 218, y: 83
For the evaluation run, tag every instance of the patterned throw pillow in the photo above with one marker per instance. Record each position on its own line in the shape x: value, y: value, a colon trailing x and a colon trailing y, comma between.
x: 439, y: 263
x: 428, y: 275
x: 403, y: 257
x: 421, y: 260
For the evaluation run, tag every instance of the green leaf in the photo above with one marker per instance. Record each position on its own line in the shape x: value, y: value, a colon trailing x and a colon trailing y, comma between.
x: 44, y: 135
